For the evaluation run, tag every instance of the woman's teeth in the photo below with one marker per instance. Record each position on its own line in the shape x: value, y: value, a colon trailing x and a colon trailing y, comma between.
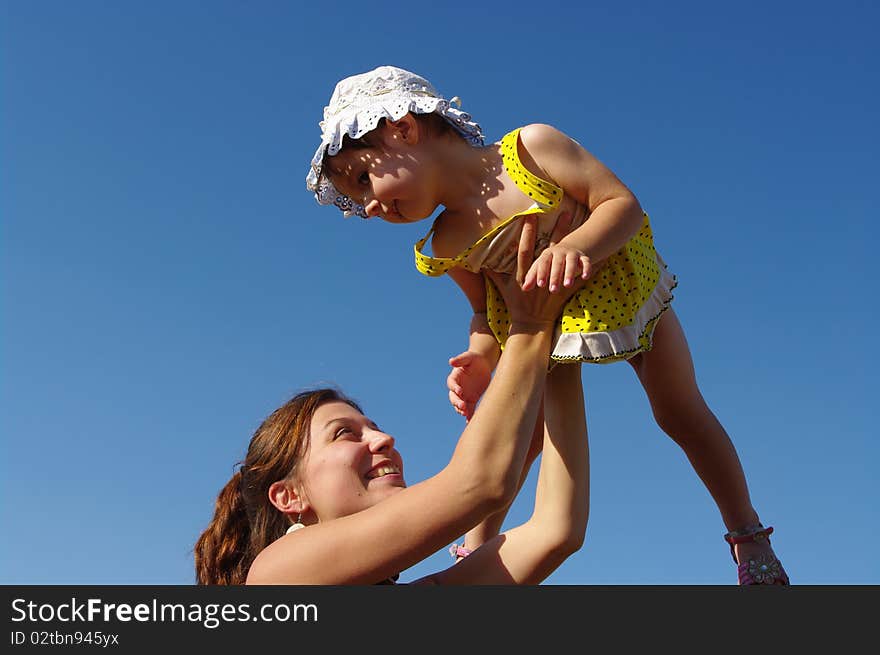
x: 384, y: 470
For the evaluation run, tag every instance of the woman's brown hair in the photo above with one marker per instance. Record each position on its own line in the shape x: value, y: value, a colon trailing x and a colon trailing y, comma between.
x: 245, y: 522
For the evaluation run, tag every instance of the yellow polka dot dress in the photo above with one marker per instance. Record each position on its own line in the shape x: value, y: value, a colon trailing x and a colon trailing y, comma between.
x: 611, y: 318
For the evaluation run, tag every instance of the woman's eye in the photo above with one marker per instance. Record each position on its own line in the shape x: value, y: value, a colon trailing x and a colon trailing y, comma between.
x: 364, y: 178
x: 342, y: 432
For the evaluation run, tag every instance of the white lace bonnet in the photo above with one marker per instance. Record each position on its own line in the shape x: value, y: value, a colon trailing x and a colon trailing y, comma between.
x: 356, y: 106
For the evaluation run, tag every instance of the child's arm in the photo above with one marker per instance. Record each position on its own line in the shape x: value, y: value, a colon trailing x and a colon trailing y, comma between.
x: 472, y: 369
x: 615, y: 213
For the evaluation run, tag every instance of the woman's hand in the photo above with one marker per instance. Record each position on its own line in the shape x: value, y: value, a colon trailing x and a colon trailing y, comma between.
x: 525, y: 257
x: 537, y: 307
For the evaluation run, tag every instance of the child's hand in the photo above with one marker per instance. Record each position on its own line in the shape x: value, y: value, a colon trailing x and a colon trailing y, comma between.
x: 525, y: 258
x: 558, y: 265
x: 470, y: 376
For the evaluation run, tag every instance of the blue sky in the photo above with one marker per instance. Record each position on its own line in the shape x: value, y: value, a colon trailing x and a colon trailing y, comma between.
x: 167, y: 281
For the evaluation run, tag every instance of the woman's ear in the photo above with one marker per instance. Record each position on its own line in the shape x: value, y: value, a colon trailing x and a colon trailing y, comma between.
x: 284, y: 496
x: 405, y: 129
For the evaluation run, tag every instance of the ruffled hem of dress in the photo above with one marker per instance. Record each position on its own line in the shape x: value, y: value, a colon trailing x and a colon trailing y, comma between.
x: 623, y: 343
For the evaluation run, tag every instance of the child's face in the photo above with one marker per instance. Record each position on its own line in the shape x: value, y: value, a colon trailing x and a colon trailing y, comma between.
x: 387, y: 178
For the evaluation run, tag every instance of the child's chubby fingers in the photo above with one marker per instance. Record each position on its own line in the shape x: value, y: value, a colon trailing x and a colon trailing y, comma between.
x: 457, y: 403
x: 541, y: 270
x: 459, y: 375
x: 530, y: 279
x: 574, y: 267
x: 463, y: 407
x: 557, y: 272
x: 467, y: 409
x: 586, y: 267
x: 462, y: 360
x: 454, y: 381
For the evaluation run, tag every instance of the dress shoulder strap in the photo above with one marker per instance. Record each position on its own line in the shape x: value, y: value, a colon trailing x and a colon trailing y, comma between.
x: 541, y: 191
x: 544, y: 194
x: 432, y: 266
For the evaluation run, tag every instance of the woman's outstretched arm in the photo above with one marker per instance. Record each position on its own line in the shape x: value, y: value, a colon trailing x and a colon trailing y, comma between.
x: 528, y: 553
x: 481, y: 478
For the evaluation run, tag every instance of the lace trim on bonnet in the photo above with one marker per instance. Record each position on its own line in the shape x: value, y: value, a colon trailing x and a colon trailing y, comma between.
x: 358, y: 104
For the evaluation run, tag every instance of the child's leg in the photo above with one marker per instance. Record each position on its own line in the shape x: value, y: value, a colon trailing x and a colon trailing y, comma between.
x: 667, y: 375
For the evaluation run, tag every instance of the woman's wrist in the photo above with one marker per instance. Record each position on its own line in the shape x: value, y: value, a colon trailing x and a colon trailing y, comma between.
x: 531, y: 336
x: 531, y: 326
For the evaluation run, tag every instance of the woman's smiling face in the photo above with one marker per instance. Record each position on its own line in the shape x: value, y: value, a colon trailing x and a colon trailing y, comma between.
x: 351, y: 464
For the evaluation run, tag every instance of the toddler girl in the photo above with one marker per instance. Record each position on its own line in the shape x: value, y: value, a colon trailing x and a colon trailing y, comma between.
x: 394, y: 148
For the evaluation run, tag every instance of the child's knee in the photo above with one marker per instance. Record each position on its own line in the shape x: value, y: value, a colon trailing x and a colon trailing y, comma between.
x: 684, y: 422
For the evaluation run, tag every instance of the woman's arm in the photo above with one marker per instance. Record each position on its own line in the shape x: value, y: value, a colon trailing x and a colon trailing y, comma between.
x: 472, y: 371
x: 528, y: 553
x: 481, y: 478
